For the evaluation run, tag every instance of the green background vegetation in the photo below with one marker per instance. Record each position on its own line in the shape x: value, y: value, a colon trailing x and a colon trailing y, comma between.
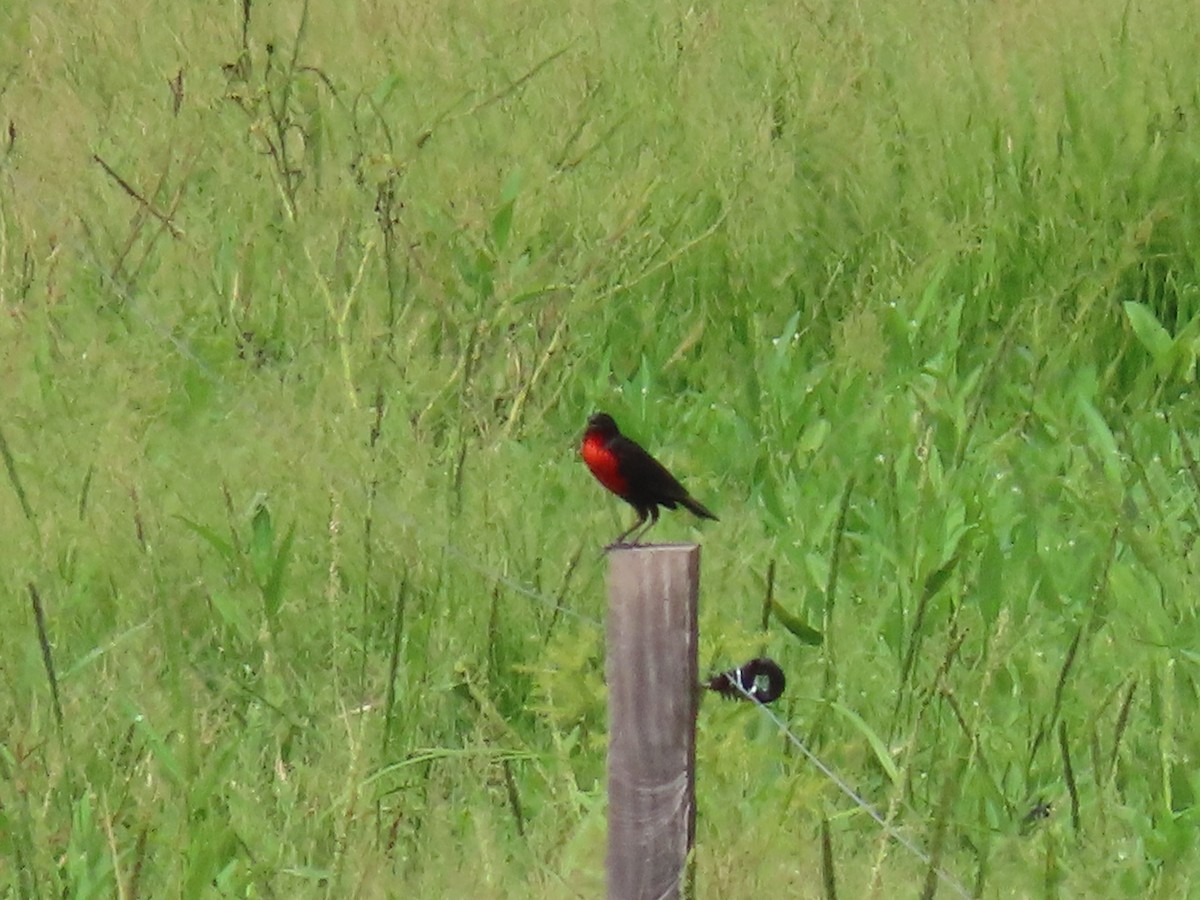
x: 301, y: 316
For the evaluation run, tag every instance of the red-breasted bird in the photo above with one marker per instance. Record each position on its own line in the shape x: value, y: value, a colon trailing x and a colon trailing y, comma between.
x: 631, y: 473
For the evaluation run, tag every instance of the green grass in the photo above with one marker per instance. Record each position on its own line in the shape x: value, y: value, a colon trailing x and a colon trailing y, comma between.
x: 297, y: 337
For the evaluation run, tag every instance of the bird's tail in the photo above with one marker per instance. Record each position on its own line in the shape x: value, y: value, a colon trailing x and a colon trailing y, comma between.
x: 698, y: 508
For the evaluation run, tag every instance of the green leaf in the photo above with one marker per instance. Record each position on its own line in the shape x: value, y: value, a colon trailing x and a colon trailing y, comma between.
x: 931, y: 298
x: 1103, y: 441
x: 273, y: 589
x: 814, y: 436
x: 768, y: 491
x: 783, y: 343
x: 512, y: 187
x: 797, y: 626
x: 937, y: 579
x: 502, y: 225
x: 1150, y: 332
x: 214, y: 844
x: 262, y: 537
x: 877, y: 745
x: 503, y: 218
x: 169, y: 765
x: 384, y: 90
x: 218, y: 543
x: 1184, y: 351
x: 477, y: 270
x: 232, y: 613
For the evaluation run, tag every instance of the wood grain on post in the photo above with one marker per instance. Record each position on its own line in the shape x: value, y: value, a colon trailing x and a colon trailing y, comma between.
x: 652, y: 703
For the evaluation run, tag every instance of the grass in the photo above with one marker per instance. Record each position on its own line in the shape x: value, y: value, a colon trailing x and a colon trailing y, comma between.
x: 302, y: 314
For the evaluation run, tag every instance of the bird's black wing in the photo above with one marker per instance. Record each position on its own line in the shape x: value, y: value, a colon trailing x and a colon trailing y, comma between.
x: 647, y: 478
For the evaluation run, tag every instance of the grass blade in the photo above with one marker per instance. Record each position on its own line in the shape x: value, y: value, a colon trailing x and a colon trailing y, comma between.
x: 39, y: 616
x: 11, y: 466
x: 828, y: 876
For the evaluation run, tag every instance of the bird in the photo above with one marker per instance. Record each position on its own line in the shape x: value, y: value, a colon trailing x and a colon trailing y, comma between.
x: 622, y: 466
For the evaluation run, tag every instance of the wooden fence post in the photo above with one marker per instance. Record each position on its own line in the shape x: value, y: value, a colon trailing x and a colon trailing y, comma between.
x: 653, y: 697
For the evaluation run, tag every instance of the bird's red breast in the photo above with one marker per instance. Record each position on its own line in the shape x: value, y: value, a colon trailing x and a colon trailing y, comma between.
x: 604, y: 463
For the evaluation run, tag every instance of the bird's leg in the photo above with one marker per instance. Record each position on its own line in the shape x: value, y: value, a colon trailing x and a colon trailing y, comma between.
x: 619, y: 542
x: 653, y: 511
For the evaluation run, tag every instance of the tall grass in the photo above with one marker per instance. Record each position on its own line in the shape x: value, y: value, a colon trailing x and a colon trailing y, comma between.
x: 304, y: 305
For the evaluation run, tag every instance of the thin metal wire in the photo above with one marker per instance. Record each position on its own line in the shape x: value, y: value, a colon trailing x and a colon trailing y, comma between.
x: 946, y: 878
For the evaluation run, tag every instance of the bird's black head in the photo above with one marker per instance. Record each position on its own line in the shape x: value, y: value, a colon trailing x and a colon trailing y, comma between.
x: 602, y: 423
